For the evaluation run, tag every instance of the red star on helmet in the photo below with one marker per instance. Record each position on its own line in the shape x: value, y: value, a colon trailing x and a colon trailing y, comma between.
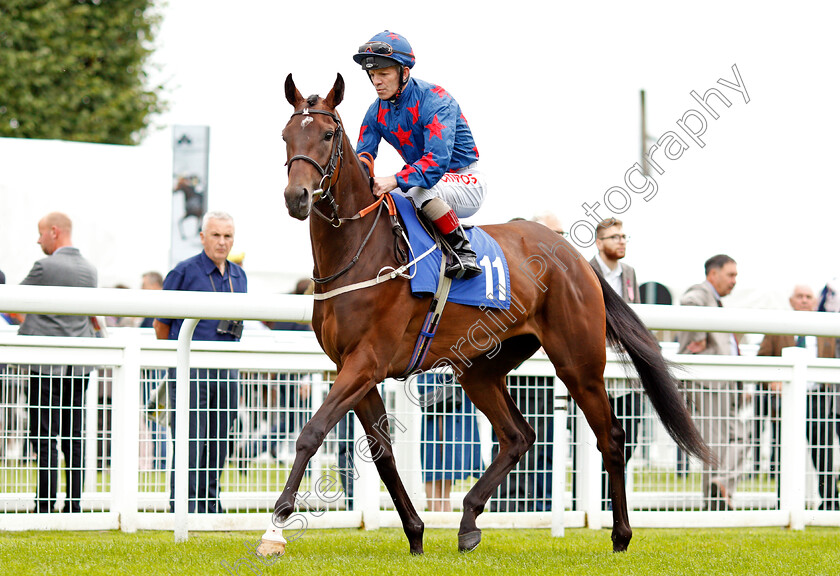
x: 406, y: 172
x: 435, y: 128
x: 380, y: 117
x: 415, y: 111
x: 394, y: 36
x: 362, y: 133
x: 404, y: 136
x: 440, y: 92
x: 426, y: 161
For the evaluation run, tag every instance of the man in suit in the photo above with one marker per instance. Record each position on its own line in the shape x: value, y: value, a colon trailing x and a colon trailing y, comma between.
x: 611, y: 242
x: 819, y: 417
x: 56, y: 393
x: 716, y: 404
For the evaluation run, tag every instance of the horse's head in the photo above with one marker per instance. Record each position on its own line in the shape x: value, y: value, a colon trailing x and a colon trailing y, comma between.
x: 313, y: 139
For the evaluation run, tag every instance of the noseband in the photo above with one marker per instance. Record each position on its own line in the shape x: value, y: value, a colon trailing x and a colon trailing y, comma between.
x: 329, y: 175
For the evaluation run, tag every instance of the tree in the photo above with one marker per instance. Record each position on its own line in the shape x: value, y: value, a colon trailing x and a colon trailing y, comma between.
x: 75, y: 70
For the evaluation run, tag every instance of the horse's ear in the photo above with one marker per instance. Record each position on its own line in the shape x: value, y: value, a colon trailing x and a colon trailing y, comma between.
x: 293, y: 95
x: 336, y: 95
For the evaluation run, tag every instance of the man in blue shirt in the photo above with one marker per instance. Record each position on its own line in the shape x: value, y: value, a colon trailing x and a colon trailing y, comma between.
x: 425, y: 125
x: 213, y: 392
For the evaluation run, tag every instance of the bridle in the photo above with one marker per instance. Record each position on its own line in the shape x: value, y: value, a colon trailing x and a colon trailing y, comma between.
x: 329, y: 175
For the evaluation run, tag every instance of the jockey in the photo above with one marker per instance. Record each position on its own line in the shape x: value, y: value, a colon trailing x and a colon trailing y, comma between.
x: 426, y: 126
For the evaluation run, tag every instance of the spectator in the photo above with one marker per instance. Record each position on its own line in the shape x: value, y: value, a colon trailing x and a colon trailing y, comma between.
x: 56, y: 393
x: 151, y: 281
x: 716, y: 404
x: 3, y: 319
x: 121, y: 321
x: 830, y: 302
x: 611, y: 242
x: 819, y: 428
x: 449, y: 447
x: 550, y: 220
x: 213, y: 392
x: 153, y: 386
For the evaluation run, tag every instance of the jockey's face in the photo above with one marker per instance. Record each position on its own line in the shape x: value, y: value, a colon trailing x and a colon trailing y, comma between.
x: 386, y: 81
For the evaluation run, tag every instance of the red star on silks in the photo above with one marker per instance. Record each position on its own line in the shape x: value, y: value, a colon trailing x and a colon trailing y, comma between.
x: 362, y: 133
x: 440, y: 91
x: 415, y: 111
x: 406, y: 172
x: 464, y: 118
x: 426, y: 161
x: 475, y: 149
x: 435, y: 128
x: 404, y: 136
x: 380, y: 117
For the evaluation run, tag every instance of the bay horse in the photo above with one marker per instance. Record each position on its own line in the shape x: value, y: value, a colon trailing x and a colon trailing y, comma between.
x: 563, y: 306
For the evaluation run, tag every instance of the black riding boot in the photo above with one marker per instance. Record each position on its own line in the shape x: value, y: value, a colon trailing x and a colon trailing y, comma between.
x: 462, y: 263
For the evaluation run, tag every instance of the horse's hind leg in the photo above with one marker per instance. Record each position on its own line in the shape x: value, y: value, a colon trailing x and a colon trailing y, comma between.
x: 371, y: 413
x: 586, y: 385
x: 489, y: 394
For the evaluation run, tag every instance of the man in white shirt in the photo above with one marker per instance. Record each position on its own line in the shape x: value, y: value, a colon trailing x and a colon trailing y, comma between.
x: 611, y: 242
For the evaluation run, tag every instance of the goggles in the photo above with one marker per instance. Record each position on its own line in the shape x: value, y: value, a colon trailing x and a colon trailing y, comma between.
x: 380, y: 48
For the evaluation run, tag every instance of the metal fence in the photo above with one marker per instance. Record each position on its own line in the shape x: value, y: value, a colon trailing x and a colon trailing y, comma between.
x: 280, y: 378
x: 780, y: 471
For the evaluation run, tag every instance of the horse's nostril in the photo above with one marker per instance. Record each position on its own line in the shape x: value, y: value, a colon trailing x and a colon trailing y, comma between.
x: 304, y: 196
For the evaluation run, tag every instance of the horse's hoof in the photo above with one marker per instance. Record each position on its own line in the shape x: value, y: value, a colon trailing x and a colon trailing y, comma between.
x: 416, y: 551
x: 469, y: 541
x: 268, y: 548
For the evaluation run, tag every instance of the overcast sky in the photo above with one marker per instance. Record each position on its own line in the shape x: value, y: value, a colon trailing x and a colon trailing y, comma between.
x: 551, y: 91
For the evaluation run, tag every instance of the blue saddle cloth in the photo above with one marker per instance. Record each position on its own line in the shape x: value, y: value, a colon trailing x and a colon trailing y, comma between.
x: 490, y: 289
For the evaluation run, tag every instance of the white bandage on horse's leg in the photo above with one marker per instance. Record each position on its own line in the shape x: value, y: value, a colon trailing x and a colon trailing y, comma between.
x: 274, y: 534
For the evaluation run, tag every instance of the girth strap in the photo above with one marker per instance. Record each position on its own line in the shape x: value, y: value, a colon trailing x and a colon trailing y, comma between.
x: 430, y: 324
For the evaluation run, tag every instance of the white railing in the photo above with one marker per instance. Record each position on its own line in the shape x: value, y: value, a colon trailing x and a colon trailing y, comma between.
x: 129, y: 351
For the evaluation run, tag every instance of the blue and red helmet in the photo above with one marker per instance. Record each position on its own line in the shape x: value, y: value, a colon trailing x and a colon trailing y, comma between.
x: 384, y: 50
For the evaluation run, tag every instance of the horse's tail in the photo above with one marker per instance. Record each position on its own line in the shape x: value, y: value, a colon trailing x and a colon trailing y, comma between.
x: 626, y: 333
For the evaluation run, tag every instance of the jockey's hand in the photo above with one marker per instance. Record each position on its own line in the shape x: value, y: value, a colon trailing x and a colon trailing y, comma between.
x: 384, y: 184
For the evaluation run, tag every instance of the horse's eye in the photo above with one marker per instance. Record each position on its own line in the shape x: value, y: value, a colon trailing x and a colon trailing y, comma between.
x: 329, y: 135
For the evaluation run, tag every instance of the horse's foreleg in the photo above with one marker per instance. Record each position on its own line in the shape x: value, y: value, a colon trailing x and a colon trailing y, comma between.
x: 515, y: 438
x: 371, y: 413
x: 351, y: 385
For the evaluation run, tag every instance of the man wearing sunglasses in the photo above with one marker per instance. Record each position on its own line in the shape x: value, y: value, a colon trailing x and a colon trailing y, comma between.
x: 427, y: 128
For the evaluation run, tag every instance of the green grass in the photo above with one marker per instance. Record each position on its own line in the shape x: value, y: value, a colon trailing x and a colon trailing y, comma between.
x: 762, y: 551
